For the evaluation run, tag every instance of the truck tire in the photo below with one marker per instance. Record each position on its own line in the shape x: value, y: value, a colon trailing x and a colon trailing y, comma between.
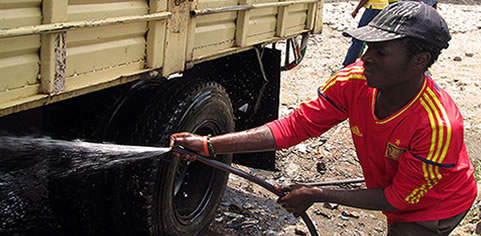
x: 162, y: 196
x: 185, y: 196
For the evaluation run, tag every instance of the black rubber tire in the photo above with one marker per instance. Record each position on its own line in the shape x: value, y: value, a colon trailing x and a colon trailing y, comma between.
x: 137, y: 198
x: 185, y: 196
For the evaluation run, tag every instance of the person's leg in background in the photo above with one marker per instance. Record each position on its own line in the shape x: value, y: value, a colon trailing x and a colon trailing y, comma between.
x: 355, y: 49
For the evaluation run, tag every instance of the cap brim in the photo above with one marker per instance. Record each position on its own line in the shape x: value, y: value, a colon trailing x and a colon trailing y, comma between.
x: 372, y: 34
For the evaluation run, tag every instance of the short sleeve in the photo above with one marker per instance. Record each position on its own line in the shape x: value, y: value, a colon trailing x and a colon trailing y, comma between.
x: 316, y: 116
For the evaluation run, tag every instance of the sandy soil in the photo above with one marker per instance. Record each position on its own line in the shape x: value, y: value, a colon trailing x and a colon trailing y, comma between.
x: 249, y: 210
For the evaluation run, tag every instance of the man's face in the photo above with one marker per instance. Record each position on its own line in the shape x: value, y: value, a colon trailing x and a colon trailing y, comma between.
x: 386, y: 64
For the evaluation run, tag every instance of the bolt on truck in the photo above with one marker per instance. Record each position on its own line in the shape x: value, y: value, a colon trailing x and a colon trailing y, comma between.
x: 134, y: 72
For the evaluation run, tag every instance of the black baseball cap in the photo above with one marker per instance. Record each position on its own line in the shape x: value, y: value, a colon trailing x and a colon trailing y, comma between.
x: 405, y: 19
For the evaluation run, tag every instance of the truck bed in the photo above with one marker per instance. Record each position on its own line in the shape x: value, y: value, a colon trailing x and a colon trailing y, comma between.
x: 52, y: 50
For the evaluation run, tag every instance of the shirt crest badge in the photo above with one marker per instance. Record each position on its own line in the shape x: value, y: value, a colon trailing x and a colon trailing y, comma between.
x: 355, y: 130
x: 393, y: 151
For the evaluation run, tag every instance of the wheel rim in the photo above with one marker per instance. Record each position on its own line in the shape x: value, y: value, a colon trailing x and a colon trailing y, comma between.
x: 193, y: 182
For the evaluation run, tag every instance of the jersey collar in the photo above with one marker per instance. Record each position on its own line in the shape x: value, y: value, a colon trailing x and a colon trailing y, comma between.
x: 398, y: 113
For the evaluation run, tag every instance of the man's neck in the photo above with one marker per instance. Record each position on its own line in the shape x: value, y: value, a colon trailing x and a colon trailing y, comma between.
x: 391, y: 100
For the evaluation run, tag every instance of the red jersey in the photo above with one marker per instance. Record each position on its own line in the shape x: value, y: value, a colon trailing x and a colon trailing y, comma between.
x: 417, y: 155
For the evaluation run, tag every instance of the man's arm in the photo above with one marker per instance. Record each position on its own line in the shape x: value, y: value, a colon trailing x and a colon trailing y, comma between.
x: 358, y: 7
x: 252, y: 140
x: 301, y: 197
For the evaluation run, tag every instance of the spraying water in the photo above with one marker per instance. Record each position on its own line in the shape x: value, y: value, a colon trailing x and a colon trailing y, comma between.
x: 20, y: 152
x: 40, y: 176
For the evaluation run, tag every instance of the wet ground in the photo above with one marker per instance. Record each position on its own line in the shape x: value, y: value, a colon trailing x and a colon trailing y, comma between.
x: 53, y: 187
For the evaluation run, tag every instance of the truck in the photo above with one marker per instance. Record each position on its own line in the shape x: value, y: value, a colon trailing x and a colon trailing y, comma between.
x: 133, y: 72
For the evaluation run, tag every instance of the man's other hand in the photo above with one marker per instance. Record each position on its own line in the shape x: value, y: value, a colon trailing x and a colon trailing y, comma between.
x: 298, y: 197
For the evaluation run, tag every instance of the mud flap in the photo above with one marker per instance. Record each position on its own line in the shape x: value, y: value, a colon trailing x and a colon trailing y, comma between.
x: 267, y: 110
x: 255, y: 101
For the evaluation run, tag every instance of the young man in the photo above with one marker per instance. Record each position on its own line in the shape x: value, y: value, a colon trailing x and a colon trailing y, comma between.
x: 407, y: 131
x: 372, y: 8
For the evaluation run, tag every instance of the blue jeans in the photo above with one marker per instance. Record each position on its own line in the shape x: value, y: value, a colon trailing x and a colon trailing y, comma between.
x: 355, y: 50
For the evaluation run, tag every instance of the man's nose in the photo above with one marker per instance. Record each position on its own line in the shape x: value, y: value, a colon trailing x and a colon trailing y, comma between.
x: 366, y: 57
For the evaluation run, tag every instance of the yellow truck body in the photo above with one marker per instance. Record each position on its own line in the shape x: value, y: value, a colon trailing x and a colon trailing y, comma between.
x: 52, y: 50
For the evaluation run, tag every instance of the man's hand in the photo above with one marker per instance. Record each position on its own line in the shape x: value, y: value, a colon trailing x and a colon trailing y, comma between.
x: 358, y: 7
x: 354, y: 13
x: 299, y: 197
x: 190, y: 141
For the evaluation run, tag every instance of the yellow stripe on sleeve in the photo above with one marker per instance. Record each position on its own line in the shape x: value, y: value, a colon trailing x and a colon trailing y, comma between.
x: 425, y: 171
x: 436, y: 169
x: 433, y: 127
x: 341, y: 73
x: 448, y: 125
x: 440, y: 125
x: 431, y: 172
x: 344, y: 77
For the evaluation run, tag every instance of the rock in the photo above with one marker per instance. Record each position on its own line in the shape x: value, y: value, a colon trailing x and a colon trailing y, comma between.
x: 285, y: 111
x: 321, y: 167
x: 231, y: 214
x: 248, y: 205
x: 270, y: 233
x: 320, y: 213
x: 331, y: 206
x: 249, y: 188
x: 469, y: 54
x: 249, y: 223
x: 236, y: 223
x: 292, y: 170
x: 478, y: 228
x: 291, y: 220
x: 350, y: 214
x: 457, y: 58
x: 300, y: 232
x: 319, y: 142
x: 235, y: 208
x: 344, y: 217
x: 226, y: 204
x: 302, y: 148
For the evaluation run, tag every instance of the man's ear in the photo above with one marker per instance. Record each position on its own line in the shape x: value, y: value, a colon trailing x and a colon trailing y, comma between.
x: 421, y: 60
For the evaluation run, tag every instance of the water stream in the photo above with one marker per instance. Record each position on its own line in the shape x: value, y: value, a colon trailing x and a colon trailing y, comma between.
x: 44, y: 181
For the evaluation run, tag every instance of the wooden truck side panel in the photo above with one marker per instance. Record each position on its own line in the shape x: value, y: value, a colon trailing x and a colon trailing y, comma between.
x: 19, y: 57
x: 52, y: 50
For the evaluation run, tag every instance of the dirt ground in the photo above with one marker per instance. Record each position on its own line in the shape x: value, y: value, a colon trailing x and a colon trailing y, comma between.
x: 250, y: 210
